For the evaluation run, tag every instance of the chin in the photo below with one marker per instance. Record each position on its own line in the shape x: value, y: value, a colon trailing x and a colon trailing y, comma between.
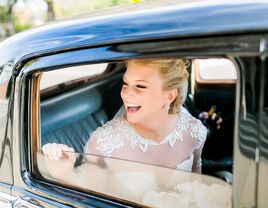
x: 133, y: 119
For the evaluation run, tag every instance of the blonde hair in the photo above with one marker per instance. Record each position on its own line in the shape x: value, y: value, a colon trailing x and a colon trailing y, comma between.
x: 175, y: 75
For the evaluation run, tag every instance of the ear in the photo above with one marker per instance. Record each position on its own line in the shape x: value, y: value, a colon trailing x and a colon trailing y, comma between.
x: 171, y: 95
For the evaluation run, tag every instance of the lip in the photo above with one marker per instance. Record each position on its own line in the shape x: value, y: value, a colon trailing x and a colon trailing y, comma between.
x: 132, y: 108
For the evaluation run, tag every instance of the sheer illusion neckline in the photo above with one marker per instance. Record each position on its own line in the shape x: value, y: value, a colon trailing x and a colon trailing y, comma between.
x: 144, y: 143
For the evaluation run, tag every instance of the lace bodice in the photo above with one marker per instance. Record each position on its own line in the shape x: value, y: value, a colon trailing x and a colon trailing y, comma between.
x: 180, y: 149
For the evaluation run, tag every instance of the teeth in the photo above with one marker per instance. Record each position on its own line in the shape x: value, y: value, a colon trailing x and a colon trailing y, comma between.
x: 132, y: 105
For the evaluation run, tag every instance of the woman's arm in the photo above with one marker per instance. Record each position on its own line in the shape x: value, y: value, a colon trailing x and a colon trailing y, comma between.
x: 197, y: 164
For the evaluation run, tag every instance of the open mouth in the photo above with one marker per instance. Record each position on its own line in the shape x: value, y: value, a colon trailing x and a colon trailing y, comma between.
x: 133, y: 108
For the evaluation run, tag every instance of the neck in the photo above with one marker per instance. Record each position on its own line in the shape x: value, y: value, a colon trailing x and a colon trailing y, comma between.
x: 158, y: 128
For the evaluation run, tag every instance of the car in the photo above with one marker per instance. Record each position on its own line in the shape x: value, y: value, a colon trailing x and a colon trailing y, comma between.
x: 61, y: 81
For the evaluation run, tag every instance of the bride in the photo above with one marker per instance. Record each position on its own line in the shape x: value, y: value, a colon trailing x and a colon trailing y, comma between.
x: 151, y: 129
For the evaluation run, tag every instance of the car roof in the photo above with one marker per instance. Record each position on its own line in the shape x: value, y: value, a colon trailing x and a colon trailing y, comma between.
x: 160, y: 19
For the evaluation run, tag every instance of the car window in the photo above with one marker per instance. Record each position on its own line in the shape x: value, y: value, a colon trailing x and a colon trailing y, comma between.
x: 140, y: 183
x: 56, y: 77
x: 209, y: 70
x: 85, y: 98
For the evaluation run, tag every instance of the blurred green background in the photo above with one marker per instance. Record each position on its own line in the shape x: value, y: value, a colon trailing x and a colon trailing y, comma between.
x: 18, y: 15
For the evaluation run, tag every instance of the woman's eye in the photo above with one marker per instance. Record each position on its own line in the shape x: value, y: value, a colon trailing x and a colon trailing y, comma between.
x: 141, y: 86
x: 124, y: 83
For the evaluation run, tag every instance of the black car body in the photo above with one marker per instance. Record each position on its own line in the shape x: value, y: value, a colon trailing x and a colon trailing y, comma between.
x: 194, y: 30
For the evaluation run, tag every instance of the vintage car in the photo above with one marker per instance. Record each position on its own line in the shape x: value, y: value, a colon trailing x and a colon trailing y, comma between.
x: 61, y: 81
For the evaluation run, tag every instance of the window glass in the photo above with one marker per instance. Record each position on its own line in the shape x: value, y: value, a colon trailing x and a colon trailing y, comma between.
x: 56, y: 77
x: 137, y: 182
x: 215, y: 69
x: 75, y: 114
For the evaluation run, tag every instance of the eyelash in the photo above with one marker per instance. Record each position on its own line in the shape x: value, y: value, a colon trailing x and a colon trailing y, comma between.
x: 141, y: 86
x: 138, y: 86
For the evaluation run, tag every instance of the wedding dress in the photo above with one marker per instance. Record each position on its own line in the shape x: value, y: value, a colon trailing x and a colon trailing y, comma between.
x: 147, y: 171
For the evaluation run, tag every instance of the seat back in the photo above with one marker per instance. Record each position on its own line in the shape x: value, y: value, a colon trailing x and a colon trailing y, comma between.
x: 69, y: 118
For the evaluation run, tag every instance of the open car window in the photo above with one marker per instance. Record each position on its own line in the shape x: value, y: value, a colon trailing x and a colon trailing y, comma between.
x: 75, y: 101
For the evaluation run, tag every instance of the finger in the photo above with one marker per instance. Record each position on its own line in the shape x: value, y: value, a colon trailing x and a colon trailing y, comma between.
x: 47, y: 150
x: 70, y: 149
x: 59, y: 151
x: 213, y: 116
x: 219, y: 121
x: 218, y: 126
x: 44, y: 149
x: 203, y: 115
x: 54, y: 151
x: 63, y: 147
x: 67, y: 148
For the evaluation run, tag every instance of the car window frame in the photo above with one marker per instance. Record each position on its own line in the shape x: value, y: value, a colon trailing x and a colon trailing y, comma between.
x: 29, y: 74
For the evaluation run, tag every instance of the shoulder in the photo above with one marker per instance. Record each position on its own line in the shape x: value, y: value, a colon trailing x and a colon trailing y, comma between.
x: 107, y: 138
x: 197, y: 130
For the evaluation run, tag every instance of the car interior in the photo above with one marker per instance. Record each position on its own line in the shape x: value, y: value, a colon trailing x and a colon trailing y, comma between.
x: 218, y: 150
x: 72, y: 110
x: 70, y: 115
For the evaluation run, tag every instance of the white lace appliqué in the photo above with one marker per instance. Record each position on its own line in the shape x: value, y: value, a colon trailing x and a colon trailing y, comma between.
x: 112, y: 135
x: 186, y: 123
x: 109, y: 137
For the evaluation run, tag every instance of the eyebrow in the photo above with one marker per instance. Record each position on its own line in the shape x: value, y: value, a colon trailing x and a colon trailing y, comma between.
x: 139, y: 80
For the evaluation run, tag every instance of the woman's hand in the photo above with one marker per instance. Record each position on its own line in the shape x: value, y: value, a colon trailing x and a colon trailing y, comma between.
x: 210, y: 120
x: 59, y: 160
x: 57, y: 151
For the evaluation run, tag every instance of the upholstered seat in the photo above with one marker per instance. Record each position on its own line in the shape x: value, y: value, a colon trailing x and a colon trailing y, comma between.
x: 70, y: 117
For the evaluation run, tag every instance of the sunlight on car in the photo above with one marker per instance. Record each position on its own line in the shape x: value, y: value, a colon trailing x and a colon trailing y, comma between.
x: 70, y: 73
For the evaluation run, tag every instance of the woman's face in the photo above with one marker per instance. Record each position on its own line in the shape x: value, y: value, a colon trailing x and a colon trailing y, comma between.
x: 142, y: 93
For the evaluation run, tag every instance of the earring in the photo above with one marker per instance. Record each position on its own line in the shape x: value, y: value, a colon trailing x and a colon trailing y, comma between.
x: 167, y: 106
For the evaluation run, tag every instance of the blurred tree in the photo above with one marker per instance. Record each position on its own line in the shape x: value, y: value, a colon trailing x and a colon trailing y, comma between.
x: 29, y: 13
x: 18, y: 15
x: 6, y: 20
x: 50, y: 10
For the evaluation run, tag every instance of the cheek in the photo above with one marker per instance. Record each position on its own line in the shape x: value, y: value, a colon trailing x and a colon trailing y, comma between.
x: 153, y: 99
x: 122, y: 93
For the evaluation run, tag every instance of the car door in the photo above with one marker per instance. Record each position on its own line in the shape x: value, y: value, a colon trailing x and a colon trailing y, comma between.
x: 261, y: 185
x: 6, y: 165
x: 26, y: 129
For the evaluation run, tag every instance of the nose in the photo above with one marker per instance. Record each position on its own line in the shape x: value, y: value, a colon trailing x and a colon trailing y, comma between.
x: 127, y: 93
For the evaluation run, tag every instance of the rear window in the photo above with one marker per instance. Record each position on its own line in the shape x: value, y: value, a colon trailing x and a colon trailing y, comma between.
x: 215, y: 70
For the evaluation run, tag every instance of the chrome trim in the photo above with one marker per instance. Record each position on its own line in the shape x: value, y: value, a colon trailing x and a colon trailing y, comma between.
x: 7, y: 196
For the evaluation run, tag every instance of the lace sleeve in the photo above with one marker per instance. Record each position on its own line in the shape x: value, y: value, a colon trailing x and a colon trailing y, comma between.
x: 104, y: 140
x: 198, y: 132
x: 197, y: 157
